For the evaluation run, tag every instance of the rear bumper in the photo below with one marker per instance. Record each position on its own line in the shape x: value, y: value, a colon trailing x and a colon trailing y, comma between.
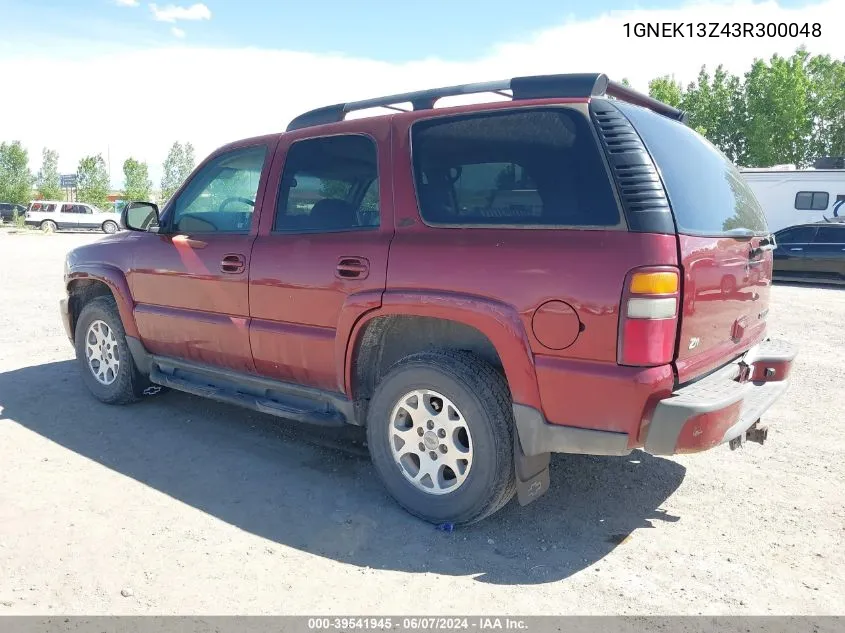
x: 693, y: 418
x: 722, y: 406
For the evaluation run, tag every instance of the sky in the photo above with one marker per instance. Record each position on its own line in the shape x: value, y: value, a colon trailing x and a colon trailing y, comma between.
x: 129, y: 77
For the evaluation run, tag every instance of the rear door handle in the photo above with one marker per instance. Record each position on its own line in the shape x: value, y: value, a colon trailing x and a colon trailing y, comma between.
x: 233, y: 264
x: 796, y: 249
x: 352, y: 268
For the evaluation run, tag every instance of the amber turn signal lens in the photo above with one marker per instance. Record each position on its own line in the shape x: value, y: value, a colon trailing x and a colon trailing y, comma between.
x: 662, y: 283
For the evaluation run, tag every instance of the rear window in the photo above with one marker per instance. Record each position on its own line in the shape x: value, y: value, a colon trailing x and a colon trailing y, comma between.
x: 707, y: 193
x: 538, y: 167
x: 796, y: 235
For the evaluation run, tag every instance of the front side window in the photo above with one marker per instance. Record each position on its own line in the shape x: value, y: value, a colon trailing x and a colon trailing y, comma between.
x: 812, y: 200
x: 220, y: 198
x: 830, y: 235
x: 329, y: 184
x: 537, y: 167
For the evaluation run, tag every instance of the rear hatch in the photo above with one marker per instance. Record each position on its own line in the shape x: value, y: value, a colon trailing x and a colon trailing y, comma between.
x: 724, y: 246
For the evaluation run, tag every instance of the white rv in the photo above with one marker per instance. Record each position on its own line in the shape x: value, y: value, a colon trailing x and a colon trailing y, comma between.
x: 792, y: 196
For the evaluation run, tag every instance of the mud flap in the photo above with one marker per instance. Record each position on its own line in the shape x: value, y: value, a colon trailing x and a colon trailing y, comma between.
x: 532, y: 474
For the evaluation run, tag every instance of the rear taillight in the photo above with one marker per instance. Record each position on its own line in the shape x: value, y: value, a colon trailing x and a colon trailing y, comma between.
x: 648, y: 318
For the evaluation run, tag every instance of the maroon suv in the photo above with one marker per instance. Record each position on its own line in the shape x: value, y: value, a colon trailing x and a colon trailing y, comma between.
x: 572, y: 270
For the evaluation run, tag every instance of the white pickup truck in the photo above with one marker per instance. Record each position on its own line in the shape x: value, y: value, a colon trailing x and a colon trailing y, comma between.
x: 51, y: 215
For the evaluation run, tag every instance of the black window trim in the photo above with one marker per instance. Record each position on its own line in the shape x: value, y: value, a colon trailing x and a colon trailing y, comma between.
x: 354, y: 229
x: 813, y: 195
x: 621, y: 225
x: 169, y: 211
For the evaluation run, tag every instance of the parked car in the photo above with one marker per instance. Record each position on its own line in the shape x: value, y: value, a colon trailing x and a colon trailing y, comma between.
x: 382, y: 272
x: 51, y: 215
x: 812, y: 252
x: 9, y: 210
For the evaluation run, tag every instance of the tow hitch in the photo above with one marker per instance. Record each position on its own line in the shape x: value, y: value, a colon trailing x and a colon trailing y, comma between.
x: 756, y: 434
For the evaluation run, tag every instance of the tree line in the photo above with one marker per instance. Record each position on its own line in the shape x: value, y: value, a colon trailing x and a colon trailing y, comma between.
x: 787, y: 110
x: 92, y: 176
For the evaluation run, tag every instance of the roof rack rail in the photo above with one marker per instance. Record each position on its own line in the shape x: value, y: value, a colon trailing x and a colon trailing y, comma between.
x: 581, y: 85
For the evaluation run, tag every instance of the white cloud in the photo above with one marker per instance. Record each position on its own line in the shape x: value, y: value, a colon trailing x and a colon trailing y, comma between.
x: 126, y: 3
x: 172, y: 13
x: 210, y: 96
x: 177, y: 32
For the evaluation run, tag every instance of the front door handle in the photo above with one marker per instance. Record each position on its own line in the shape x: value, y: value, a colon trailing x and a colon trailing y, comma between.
x: 233, y: 264
x: 796, y: 249
x: 352, y: 268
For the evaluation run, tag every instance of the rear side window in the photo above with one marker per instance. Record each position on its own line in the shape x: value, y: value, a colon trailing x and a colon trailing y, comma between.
x: 329, y: 184
x: 707, y: 192
x: 797, y: 235
x: 812, y: 200
x: 43, y: 208
x: 830, y: 235
x: 523, y: 168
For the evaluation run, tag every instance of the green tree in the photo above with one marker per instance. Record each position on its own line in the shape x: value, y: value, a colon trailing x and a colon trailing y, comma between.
x: 827, y: 106
x: 177, y: 167
x: 92, y: 181
x: 136, y: 180
x: 779, y: 122
x: 667, y: 90
x: 15, y: 177
x: 47, y: 182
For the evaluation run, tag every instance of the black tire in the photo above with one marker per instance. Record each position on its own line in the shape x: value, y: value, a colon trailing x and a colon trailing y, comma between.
x: 48, y: 226
x: 109, y: 227
x: 129, y: 384
x: 482, y: 396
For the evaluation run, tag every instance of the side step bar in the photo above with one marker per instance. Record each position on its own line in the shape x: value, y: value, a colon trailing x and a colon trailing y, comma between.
x: 283, y: 400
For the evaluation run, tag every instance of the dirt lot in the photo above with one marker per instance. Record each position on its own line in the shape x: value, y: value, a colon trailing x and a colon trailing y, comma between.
x: 179, y: 505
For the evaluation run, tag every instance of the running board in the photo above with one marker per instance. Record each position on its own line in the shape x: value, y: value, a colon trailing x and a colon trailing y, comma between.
x: 283, y: 400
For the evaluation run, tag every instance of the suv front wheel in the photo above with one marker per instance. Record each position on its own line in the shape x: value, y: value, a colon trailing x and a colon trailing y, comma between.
x: 108, y: 369
x: 440, y: 432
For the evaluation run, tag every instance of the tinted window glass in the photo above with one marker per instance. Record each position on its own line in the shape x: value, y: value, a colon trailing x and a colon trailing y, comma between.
x: 43, y: 208
x: 812, y: 200
x: 707, y: 193
x: 524, y: 168
x: 221, y: 196
x: 329, y: 184
x: 797, y: 235
x: 830, y: 235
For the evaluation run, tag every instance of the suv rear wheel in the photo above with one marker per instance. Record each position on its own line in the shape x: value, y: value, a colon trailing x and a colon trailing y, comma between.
x: 109, y: 227
x: 440, y: 432
x: 105, y: 361
x: 48, y: 226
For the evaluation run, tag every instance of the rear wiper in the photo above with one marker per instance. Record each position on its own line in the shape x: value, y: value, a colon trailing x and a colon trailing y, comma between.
x: 741, y: 232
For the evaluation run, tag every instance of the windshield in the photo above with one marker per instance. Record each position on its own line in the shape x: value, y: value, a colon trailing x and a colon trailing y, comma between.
x: 707, y: 192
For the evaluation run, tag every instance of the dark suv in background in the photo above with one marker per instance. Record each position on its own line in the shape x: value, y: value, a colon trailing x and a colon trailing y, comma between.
x: 811, y: 252
x: 9, y: 210
x: 478, y: 285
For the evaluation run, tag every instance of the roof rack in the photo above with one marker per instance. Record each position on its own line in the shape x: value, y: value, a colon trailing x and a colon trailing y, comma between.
x: 582, y: 85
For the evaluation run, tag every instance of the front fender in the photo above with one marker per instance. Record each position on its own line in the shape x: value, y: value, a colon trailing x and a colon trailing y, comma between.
x: 115, y: 280
x: 499, y: 322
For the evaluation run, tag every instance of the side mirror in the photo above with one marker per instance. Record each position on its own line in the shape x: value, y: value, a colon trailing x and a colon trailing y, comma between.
x: 140, y: 216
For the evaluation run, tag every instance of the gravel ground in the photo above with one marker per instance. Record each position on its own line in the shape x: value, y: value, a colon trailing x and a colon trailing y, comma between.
x: 180, y: 505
